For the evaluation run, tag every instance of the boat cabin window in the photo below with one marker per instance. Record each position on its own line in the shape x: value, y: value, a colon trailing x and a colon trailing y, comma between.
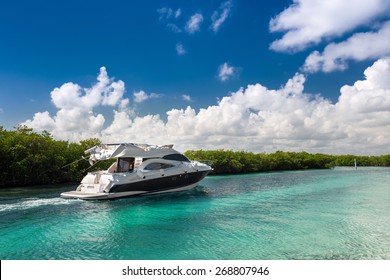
x: 157, y: 166
x: 145, y: 159
x: 125, y: 164
x: 177, y: 157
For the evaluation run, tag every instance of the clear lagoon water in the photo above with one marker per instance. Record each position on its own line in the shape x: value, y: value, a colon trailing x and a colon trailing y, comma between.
x: 340, y: 213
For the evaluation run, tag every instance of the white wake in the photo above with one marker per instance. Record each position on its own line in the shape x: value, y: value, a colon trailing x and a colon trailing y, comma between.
x: 33, y: 203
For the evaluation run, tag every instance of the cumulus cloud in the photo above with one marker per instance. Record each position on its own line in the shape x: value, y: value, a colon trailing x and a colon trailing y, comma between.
x: 147, y: 129
x: 219, y: 16
x: 142, y: 96
x: 308, y: 22
x: 253, y: 118
x: 104, y: 92
x: 226, y: 72
x: 193, y: 24
x: 41, y: 121
x: 371, y: 95
x: 359, y: 47
x: 260, y: 119
x: 75, y: 118
x: 180, y: 50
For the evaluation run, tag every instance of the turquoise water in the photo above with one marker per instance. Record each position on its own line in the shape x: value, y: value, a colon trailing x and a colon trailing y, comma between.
x: 322, y: 214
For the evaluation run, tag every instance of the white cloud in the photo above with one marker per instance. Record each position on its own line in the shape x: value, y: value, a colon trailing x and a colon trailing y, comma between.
x: 165, y: 13
x: 67, y: 96
x: 219, y: 16
x: 147, y: 129
x: 75, y: 118
x: 178, y: 13
x: 193, y: 24
x: 308, y: 22
x: 225, y: 72
x: 121, y: 122
x: 174, y: 28
x: 180, y: 49
x: 361, y: 46
x: 254, y: 118
x: 104, y: 92
x: 186, y: 97
x: 371, y: 95
x: 260, y: 119
x: 142, y: 96
x: 168, y: 14
x: 41, y: 121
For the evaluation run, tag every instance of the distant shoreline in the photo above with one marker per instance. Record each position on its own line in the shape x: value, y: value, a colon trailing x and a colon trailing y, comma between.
x: 231, y: 162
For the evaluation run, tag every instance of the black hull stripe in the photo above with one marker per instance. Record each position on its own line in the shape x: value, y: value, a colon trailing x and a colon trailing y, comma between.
x: 162, y: 183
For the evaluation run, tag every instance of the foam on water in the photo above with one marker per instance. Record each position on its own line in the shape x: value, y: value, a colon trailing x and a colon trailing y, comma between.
x: 29, y: 203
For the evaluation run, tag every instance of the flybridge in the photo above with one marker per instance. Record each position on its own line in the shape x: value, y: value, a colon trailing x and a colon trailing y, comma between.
x: 113, y: 146
x: 111, y: 150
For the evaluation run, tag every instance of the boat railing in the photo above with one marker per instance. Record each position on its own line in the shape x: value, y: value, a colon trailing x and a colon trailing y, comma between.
x: 208, y: 162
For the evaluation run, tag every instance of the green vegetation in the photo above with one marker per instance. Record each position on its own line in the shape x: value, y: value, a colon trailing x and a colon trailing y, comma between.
x: 230, y: 162
x: 30, y: 158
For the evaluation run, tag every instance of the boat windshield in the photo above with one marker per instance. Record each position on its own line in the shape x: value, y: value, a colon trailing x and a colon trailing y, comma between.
x: 177, y: 157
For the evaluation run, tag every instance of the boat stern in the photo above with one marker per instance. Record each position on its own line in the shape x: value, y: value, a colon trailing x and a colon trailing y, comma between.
x: 93, y: 186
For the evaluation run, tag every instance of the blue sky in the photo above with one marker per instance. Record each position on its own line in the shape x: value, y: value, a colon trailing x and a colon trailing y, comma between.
x: 173, y: 54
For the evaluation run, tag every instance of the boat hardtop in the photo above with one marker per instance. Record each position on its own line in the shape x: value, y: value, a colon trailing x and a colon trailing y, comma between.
x: 107, y: 151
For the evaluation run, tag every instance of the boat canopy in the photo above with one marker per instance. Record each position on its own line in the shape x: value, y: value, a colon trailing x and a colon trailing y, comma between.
x: 107, y: 151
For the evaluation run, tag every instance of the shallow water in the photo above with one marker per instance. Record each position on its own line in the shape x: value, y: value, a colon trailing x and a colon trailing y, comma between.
x: 321, y: 214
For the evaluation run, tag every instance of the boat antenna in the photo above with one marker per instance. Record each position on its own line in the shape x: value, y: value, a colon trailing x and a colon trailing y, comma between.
x: 74, y: 162
x: 96, y: 162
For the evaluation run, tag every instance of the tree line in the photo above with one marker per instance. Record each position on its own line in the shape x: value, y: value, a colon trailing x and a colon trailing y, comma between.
x: 31, y: 158
x: 233, y: 162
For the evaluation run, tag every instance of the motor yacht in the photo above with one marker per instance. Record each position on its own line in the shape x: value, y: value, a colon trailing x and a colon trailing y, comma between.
x: 138, y: 169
